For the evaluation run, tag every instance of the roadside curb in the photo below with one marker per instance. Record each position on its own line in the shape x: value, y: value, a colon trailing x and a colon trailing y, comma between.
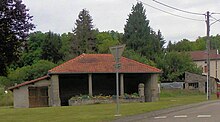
x: 163, y: 111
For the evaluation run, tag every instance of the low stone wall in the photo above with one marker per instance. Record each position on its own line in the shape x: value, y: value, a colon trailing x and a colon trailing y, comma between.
x: 102, y: 101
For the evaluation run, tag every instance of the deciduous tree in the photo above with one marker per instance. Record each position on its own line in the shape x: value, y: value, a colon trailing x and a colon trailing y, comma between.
x: 15, y: 23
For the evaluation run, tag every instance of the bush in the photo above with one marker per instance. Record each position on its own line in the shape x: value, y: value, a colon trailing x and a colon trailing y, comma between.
x: 27, y: 73
x: 6, y: 99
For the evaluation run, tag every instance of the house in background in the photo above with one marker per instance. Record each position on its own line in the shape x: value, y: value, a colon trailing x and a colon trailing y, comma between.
x: 200, y: 58
x: 91, y: 74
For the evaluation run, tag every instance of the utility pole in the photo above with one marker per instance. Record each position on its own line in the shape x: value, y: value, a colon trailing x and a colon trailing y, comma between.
x: 208, y: 55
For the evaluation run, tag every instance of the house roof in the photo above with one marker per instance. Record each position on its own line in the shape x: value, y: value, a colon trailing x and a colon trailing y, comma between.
x: 101, y: 63
x: 202, y: 55
x: 29, y: 82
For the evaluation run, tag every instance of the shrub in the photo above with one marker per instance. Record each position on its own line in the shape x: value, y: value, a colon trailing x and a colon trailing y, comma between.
x: 6, y: 99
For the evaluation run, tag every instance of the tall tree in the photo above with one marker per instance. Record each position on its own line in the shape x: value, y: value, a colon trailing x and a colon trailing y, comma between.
x: 138, y: 35
x: 137, y: 30
x: 84, y: 41
x: 51, y: 47
x: 15, y: 23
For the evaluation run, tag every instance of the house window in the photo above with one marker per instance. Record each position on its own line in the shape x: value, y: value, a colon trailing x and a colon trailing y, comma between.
x: 194, y: 85
x: 205, y: 69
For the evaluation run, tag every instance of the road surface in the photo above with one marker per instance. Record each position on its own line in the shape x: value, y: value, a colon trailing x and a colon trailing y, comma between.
x: 205, y: 113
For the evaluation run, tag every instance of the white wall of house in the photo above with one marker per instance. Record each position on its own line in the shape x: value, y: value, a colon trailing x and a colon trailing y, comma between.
x: 21, y: 97
x: 214, y: 67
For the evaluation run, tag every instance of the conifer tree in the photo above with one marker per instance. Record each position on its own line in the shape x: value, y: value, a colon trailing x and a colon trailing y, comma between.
x: 137, y: 30
x: 138, y: 35
x: 84, y: 39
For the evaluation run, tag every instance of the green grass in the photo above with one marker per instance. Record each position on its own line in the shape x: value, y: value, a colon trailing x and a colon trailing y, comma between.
x: 98, y: 112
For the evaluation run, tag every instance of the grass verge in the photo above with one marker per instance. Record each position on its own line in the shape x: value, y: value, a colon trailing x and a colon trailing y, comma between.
x: 97, y: 112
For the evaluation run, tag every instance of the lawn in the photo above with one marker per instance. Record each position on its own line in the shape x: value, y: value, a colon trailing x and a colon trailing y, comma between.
x: 97, y: 112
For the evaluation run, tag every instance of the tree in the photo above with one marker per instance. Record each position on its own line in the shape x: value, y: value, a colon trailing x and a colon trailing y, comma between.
x: 137, y: 30
x: 84, y: 41
x: 106, y: 40
x: 138, y: 35
x: 51, y: 47
x: 27, y: 73
x: 33, y: 50
x: 175, y: 64
x: 67, y: 39
x: 131, y: 54
x: 15, y: 23
x: 183, y: 45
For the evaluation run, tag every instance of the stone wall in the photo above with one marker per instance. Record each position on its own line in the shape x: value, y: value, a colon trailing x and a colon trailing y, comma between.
x: 191, y: 78
x: 98, y: 101
x: 54, y: 100
x: 151, y: 88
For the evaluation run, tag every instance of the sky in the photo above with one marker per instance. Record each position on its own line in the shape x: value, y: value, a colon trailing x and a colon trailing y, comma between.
x: 59, y: 16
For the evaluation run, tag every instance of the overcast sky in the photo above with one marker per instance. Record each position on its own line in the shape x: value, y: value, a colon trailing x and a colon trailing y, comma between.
x: 59, y: 16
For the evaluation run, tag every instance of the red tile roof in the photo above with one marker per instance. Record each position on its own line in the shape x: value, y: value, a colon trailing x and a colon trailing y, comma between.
x: 202, y: 55
x: 101, y: 63
x: 29, y: 82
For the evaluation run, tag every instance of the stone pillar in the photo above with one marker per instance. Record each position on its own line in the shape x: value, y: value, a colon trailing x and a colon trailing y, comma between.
x: 141, y: 92
x: 151, y: 88
x: 121, y: 85
x: 55, y: 94
x: 90, y: 84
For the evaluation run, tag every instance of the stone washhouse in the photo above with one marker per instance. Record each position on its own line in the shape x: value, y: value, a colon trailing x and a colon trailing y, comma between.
x: 91, y: 74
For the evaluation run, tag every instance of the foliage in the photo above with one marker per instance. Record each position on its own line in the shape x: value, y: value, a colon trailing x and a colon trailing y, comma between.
x: 199, y: 44
x: 175, y: 64
x: 138, y: 35
x: 137, y: 30
x: 15, y: 23
x: 66, y: 39
x: 84, y: 34
x: 6, y: 98
x: 184, y: 45
x: 131, y: 54
x: 51, y: 47
x: 27, y: 73
x: 131, y: 96
x: 19, y: 75
x: 4, y: 81
x: 106, y: 40
x: 33, y: 50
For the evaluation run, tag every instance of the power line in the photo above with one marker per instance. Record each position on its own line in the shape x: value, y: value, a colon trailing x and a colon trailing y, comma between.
x: 216, y: 20
x: 189, y: 12
x: 215, y: 13
x: 170, y: 12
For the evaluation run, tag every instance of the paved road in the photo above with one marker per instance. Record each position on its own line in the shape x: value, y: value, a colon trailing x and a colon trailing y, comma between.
x: 204, y: 113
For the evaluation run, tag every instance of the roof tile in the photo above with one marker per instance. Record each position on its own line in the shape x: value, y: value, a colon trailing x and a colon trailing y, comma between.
x: 29, y: 82
x: 202, y: 55
x: 101, y: 63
